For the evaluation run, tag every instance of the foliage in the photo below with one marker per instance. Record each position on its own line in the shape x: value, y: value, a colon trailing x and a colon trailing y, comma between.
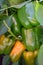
x: 32, y: 11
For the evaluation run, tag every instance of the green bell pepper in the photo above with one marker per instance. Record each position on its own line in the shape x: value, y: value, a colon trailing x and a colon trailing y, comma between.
x: 26, y: 14
x: 23, y: 18
x: 36, y: 31
x: 28, y: 39
x: 16, y: 25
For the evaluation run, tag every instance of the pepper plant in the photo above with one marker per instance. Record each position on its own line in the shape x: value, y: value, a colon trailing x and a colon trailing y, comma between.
x: 21, y: 32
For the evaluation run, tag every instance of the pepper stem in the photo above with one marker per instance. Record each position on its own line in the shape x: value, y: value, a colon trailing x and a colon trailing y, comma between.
x: 9, y: 29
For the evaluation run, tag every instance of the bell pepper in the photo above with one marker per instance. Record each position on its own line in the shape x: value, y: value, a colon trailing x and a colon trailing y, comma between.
x: 35, y: 53
x: 26, y: 14
x: 36, y: 31
x: 28, y: 39
x: 28, y: 57
x: 8, y: 43
x: 1, y: 44
x: 23, y: 18
x: 5, y: 45
x: 17, y: 51
x: 16, y: 25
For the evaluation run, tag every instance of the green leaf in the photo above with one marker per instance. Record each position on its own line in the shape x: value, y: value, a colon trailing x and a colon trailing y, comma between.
x: 8, y: 20
x: 1, y: 1
x: 39, y: 13
x: 6, y: 60
x: 13, y: 2
x: 3, y: 4
x: 40, y: 0
x: 7, y: 5
x: 40, y: 55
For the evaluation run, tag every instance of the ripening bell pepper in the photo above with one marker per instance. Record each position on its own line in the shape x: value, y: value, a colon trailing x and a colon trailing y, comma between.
x: 8, y: 43
x: 17, y: 51
x: 5, y: 45
x: 28, y: 39
x: 16, y: 25
x: 35, y: 53
x: 1, y: 44
x: 28, y: 57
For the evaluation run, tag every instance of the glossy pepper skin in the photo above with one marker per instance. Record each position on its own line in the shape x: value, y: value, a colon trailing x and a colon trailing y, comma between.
x: 28, y: 39
x: 16, y: 25
x: 28, y: 57
x: 1, y: 44
x: 23, y: 18
x: 36, y: 31
x: 5, y: 45
x: 26, y: 14
x: 8, y: 45
x: 17, y: 51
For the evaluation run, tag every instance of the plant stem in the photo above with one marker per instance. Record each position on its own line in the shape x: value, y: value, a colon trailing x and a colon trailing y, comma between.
x: 9, y: 29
